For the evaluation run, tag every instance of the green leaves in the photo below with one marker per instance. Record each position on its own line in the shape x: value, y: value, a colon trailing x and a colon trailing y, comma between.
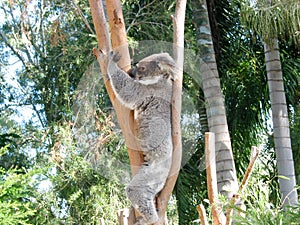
x: 55, y: 51
x: 15, y: 213
x: 261, y: 210
x: 280, y: 19
x: 15, y: 192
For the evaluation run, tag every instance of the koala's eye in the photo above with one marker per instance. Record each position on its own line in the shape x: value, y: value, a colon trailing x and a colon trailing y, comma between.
x: 142, y: 68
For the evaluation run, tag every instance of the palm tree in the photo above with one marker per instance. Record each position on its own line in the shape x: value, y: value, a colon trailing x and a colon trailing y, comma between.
x: 283, y: 148
x: 215, y: 106
x: 269, y: 21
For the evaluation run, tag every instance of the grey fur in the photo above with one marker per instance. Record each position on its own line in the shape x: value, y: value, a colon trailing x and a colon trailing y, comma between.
x: 149, y: 94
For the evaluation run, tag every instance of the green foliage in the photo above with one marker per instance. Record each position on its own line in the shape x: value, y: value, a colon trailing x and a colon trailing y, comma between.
x: 77, y: 192
x: 272, y: 19
x: 247, y: 102
x: 260, y: 209
x: 17, y: 138
x: 142, y: 25
x: 291, y: 74
x: 16, y: 189
x: 64, y: 181
x: 50, y: 48
x: 295, y: 132
x: 65, y: 189
x: 189, y: 190
x: 243, y: 80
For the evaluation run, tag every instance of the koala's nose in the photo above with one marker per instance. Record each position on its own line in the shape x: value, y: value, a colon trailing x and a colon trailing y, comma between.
x: 132, y: 72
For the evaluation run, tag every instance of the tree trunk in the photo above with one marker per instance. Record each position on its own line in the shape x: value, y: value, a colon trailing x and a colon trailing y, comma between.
x: 178, y: 24
x: 119, y: 41
x: 283, y: 149
x: 215, y: 107
x: 125, y: 116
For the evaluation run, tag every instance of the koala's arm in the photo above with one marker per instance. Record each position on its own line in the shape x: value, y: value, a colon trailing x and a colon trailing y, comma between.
x: 125, y: 88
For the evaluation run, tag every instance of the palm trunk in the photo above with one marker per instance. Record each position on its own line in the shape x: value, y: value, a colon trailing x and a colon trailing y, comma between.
x: 215, y: 107
x: 283, y: 149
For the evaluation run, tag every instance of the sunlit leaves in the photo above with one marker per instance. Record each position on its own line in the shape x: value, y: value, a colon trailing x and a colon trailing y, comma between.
x: 269, y: 21
x: 15, y: 192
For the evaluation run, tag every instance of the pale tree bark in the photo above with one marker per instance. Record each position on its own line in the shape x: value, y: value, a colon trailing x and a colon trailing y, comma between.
x: 217, y: 216
x: 178, y: 38
x: 215, y: 106
x: 283, y: 149
x: 119, y: 41
x: 125, y: 116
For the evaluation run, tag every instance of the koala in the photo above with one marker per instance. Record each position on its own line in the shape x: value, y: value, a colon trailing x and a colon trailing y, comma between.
x: 148, y: 92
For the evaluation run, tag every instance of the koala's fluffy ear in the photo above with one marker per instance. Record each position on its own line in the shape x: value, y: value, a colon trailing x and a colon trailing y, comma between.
x: 165, y: 65
x: 159, y: 65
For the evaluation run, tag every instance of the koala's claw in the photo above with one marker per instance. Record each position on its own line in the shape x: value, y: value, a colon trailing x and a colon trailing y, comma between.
x: 115, y: 56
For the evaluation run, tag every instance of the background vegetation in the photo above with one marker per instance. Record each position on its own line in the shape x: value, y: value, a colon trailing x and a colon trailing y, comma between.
x: 51, y: 172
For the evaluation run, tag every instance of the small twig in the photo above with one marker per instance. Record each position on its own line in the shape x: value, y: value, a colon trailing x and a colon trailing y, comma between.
x: 287, y: 197
x: 211, y: 176
x: 138, y: 14
x: 202, y: 214
x: 123, y: 215
x: 78, y: 10
x: 102, y: 221
x: 235, y: 198
x: 253, y: 157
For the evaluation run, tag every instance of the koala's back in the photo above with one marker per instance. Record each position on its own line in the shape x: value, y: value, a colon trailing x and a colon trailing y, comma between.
x: 153, y: 118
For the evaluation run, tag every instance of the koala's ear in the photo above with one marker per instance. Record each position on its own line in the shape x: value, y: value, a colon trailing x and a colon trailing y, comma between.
x: 159, y: 65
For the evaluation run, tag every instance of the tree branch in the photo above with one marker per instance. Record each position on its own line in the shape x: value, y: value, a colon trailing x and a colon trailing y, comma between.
x: 211, y: 176
x: 125, y: 116
x: 78, y: 10
x: 178, y: 23
x: 15, y: 51
x: 234, y: 200
x: 202, y: 214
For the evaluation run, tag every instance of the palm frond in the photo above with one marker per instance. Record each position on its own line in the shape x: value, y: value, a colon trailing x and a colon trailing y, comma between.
x: 281, y: 19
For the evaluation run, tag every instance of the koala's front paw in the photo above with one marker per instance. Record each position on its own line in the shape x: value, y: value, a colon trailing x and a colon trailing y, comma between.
x: 99, y: 54
x: 115, y: 56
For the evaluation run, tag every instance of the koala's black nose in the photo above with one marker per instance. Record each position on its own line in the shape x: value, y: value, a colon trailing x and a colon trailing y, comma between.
x: 132, y: 72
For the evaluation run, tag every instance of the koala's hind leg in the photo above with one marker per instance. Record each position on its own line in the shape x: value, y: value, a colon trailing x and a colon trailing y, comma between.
x: 142, y: 199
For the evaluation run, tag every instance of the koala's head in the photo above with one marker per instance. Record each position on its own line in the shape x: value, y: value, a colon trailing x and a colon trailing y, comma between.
x: 153, y: 68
